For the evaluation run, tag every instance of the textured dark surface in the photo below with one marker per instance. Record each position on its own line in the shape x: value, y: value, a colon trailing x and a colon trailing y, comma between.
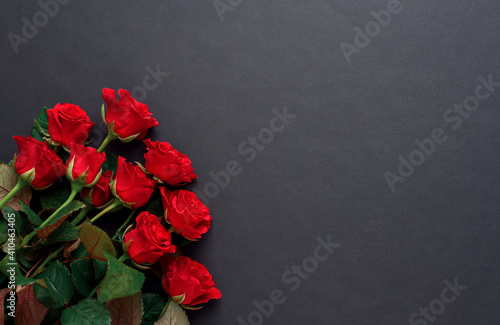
x: 323, y: 173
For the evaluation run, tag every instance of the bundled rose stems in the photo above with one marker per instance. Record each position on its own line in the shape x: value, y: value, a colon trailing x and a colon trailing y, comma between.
x: 57, y: 266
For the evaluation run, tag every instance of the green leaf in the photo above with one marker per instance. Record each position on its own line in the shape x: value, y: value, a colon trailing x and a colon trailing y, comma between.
x: 41, y: 129
x: 26, y: 257
x: 86, y: 312
x: 21, y: 280
x: 25, y: 263
x: 4, y: 228
x: 96, y: 242
x: 8, y: 179
x: 20, y: 223
x: 58, y: 288
x: 5, y: 268
x: 32, y: 216
x: 83, y: 276
x: 44, y: 296
x: 100, y: 268
x: 53, y: 315
x: 7, y: 263
x: 126, y: 310
x: 111, y: 162
x: 153, y: 306
x: 79, y: 252
x: 156, y: 207
x: 54, y: 197
x: 120, y: 280
x: 59, y: 218
x: 65, y: 232
x: 174, y: 315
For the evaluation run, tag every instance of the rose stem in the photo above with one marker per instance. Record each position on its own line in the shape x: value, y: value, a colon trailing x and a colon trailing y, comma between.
x: 110, y: 137
x: 47, y: 260
x: 75, y: 189
x: 110, y: 207
x: 123, y: 257
x: 93, y: 291
x: 82, y: 214
x: 124, y: 224
x: 19, y: 186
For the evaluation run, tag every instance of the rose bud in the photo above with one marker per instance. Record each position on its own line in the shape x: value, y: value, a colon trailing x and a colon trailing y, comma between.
x: 149, y: 239
x: 167, y: 164
x: 131, y: 185
x: 127, y: 118
x: 187, y: 281
x: 187, y: 215
x: 37, y: 164
x: 68, y: 123
x: 100, y: 194
x: 84, y: 165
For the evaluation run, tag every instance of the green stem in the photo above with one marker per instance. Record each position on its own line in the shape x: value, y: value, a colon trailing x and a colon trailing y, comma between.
x: 93, y: 291
x: 123, y: 258
x: 110, y: 207
x: 110, y: 137
x: 19, y: 186
x: 124, y: 224
x: 169, y: 301
x: 83, y: 212
x: 75, y: 189
x: 47, y: 260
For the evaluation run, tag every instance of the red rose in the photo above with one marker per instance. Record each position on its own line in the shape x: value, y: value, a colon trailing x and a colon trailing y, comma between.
x: 100, y: 194
x: 186, y: 213
x: 37, y: 163
x: 187, y: 281
x: 131, y: 185
x: 84, y: 164
x: 168, y: 164
x: 131, y: 119
x: 68, y: 123
x: 150, y: 240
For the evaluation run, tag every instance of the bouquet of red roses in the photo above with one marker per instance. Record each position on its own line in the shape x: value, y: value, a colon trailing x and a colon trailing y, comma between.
x: 57, y: 266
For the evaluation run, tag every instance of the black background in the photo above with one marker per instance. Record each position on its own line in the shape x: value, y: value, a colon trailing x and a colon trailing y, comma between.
x: 323, y: 175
